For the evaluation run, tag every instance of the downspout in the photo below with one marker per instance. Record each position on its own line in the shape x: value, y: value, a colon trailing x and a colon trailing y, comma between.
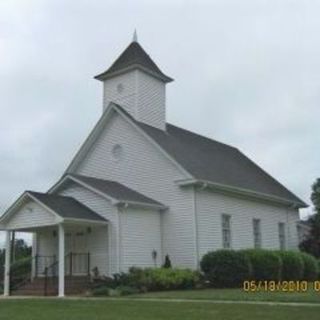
x: 120, y: 251
x: 196, y: 227
x: 119, y: 240
x: 196, y: 232
x: 288, y: 244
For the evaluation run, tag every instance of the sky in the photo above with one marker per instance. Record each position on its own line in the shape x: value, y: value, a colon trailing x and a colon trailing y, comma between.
x: 246, y: 73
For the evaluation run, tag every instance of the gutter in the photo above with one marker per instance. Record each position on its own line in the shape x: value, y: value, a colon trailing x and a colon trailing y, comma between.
x: 240, y: 191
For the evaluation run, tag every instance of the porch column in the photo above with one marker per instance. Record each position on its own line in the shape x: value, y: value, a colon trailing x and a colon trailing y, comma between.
x: 61, y: 260
x: 6, y: 291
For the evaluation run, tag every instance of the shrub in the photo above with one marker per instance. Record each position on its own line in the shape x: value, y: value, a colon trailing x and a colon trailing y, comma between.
x: 149, y: 279
x: 226, y: 268
x: 154, y: 279
x: 292, y: 265
x: 266, y: 264
x: 167, y: 262
x: 311, y: 268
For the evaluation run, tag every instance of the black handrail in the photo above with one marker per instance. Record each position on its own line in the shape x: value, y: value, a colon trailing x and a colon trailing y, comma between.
x: 70, y: 258
x: 20, y: 271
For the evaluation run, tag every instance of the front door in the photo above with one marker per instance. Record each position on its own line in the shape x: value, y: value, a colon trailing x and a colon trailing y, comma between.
x: 76, y: 247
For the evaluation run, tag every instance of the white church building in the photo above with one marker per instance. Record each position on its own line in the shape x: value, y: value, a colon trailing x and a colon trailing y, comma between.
x: 140, y: 188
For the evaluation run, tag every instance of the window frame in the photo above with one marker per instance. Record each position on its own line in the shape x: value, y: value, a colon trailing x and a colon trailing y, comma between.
x: 282, y: 235
x: 257, y: 233
x: 226, y: 231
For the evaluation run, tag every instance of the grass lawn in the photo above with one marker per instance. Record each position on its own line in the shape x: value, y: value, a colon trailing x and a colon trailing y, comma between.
x: 236, y: 295
x: 54, y: 309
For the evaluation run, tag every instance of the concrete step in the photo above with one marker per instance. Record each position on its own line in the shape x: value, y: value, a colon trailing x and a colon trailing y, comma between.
x: 73, y: 285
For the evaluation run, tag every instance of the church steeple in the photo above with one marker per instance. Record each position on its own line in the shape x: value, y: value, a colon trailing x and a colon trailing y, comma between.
x: 136, y: 83
x: 134, y: 57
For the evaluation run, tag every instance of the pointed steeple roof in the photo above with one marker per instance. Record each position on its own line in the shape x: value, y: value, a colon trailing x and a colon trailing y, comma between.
x: 134, y: 57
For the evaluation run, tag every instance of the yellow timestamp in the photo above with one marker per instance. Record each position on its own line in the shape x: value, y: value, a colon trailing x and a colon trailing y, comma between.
x: 280, y: 286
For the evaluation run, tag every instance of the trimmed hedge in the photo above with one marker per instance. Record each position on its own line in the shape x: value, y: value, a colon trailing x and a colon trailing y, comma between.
x: 292, y: 265
x: 311, y: 267
x: 266, y: 264
x: 226, y: 268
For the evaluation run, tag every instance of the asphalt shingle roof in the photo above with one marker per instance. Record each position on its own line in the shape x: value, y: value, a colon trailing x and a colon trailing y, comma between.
x: 133, y: 55
x: 116, y: 190
x: 213, y: 161
x: 66, y: 207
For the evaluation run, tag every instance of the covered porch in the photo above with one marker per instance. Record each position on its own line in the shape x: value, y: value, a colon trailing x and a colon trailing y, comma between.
x: 70, y: 241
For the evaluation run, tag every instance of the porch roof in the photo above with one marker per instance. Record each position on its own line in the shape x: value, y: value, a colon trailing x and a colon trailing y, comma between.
x: 48, y: 210
x: 67, y: 207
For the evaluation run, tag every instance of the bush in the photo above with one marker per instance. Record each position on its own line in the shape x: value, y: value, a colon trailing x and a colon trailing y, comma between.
x: 311, y: 268
x: 157, y: 279
x: 226, y: 268
x: 266, y: 264
x: 167, y: 262
x: 149, y: 279
x: 292, y: 265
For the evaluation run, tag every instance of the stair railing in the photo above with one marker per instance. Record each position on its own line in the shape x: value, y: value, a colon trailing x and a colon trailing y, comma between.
x: 23, y: 270
x: 75, y: 264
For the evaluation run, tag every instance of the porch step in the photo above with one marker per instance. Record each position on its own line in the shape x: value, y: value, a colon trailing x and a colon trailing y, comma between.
x: 73, y: 286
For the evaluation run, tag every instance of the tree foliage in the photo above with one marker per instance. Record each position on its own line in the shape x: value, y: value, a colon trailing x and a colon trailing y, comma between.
x: 312, y: 243
x: 21, y: 250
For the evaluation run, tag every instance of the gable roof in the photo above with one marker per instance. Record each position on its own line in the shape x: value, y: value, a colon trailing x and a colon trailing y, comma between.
x: 202, y: 159
x: 132, y: 57
x: 117, y: 191
x: 66, y: 207
x: 212, y: 161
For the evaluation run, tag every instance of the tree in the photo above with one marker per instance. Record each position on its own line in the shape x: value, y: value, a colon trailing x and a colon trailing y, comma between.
x: 312, y: 243
x: 21, y: 250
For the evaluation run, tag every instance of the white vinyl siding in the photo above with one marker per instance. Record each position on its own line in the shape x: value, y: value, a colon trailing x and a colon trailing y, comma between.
x: 142, y: 96
x: 31, y: 215
x: 145, y: 169
x: 282, y: 235
x: 141, y: 235
x: 103, y: 241
x: 210, y: 205
x: 256, y: 225
x: 151, y: 98
x: 127, y: 98
x: 226, y: 231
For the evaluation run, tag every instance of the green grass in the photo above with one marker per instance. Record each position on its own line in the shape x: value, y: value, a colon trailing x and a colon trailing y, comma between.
x: 54, y: 309
x: 236, y: 295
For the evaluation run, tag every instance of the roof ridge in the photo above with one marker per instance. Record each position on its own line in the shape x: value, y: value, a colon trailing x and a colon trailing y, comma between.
x: 50, y: 195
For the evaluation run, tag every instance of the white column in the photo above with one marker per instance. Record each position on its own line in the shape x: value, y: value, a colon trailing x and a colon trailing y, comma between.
x: 61, y: 260
x: 6, y: 291
x: 34, y: 255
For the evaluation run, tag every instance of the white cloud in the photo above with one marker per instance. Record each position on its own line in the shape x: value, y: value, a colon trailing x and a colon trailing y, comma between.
x: 247, y: 73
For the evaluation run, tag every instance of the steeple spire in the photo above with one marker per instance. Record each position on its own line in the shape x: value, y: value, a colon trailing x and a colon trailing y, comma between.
x: 135, y: 36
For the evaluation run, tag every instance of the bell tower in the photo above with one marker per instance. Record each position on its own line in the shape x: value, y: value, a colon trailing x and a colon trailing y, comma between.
x: 137, y: 84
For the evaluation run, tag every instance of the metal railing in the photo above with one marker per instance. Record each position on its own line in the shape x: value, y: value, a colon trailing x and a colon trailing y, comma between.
x: 76, y: 264
x: 23, y: 270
